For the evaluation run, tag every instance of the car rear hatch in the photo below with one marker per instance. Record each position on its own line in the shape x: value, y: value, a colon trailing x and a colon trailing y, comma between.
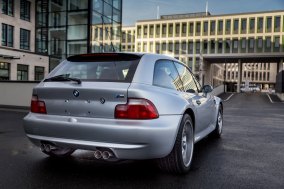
x: 88, y: 85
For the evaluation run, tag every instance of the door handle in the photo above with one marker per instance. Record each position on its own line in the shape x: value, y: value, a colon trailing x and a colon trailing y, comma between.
x: 198, y: 102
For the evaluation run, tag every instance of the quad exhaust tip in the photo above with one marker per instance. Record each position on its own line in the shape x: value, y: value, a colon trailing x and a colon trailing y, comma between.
x: 103, y: 154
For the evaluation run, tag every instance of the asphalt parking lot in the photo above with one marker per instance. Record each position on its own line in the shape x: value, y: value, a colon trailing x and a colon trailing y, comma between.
x: 249, y: 155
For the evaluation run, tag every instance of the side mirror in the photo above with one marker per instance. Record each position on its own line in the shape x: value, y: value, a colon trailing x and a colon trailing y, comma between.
x: 207, y: 89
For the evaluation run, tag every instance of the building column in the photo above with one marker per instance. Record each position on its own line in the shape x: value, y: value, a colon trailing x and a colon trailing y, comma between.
x: 240, y: 71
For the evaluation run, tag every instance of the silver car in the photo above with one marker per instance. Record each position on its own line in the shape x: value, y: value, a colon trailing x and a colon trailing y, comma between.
x: 123, y: 106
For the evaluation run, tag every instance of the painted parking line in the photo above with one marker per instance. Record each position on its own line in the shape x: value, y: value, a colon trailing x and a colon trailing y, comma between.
x: 269, y: 98
x: 229, y: 97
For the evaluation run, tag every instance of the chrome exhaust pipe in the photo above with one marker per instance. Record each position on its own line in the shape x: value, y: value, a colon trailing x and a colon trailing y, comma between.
x: 106, y: 155
x: 98, y: 154
x: 45, y: 147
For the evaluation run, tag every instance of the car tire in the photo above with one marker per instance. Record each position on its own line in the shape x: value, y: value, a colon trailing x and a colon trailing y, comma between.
x: 219, y: 125
x: 58, y: 152
x: 180, y: 159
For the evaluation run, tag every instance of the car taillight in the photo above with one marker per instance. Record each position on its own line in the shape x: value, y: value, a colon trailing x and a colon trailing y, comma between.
x: 37, y: 106
x: 136, y: 109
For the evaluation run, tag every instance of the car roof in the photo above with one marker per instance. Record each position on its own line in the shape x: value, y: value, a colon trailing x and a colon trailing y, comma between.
x: 117, y: 55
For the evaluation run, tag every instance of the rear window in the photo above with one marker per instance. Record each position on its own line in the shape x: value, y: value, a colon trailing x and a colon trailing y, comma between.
x: 101, y: 71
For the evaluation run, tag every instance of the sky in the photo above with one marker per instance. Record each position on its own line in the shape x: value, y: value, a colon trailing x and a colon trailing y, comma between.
x: 134, y: 10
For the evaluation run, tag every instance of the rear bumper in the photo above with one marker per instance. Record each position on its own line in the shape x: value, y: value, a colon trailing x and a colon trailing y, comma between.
x: 128, y: 139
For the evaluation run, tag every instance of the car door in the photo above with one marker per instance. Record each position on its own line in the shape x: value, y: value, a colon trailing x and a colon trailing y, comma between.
x: 200, y: 101
x: 210, y: 102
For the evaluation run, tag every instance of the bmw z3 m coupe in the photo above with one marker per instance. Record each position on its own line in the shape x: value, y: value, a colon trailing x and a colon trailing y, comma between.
x: 124, y: 106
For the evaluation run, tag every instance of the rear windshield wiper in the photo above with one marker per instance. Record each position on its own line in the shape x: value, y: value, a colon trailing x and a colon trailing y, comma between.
x: 63, y: 77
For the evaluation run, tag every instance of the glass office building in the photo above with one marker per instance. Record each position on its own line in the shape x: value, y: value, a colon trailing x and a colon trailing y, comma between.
x: 69, y: 27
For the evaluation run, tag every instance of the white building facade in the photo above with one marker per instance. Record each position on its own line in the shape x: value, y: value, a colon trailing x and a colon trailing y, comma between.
x: 18, y: 60
x: 189, y: 37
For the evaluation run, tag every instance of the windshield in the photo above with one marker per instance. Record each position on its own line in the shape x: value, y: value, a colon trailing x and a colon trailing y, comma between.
x: 112, y: 71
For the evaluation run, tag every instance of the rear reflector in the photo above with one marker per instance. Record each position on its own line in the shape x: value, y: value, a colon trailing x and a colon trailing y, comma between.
x: 136, y: 109
x: 37, y: 106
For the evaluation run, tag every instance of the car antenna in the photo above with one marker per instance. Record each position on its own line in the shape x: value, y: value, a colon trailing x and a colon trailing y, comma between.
x: 108, y: 34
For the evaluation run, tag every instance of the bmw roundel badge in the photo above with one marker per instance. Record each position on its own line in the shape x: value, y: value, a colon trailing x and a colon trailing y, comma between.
x: 76, y: 93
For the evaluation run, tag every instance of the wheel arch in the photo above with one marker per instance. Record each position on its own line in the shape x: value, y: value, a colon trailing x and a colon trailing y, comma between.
x: 190, y: 112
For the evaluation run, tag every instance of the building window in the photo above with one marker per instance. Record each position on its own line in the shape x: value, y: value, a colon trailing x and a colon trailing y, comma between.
x: 139, y: 32
x: 244, y: 26
x: 171, y: 30
x: 151, y: 31
x: 276, y: 44
x: 7, y: 35
x: 4, y: 71
x: 145, y: 31
x: 129, y: 37
x: 123, y: 37
x: 259, y: 44
x: 8, y: 7
x: 158, y: 30
x: 220, y: 27
x: 183, y: 47
x: 39, y: 73
x: 177, y: 48
x: 197, y: 47
x: 252, y: 25
x: 191, y: 28
x: 236, y: 26
x: 190, y: 47
x: 220, y: 46
x: 198, y: 28
x: 170, y: 47
x: 268, y: 44
x: 144, y: 47
x: 183, y: 29
x: 212, y: 46
x: 22, y: 72
x: 212, y: 27
x: 228, y: 46
x: 251, y: 45
x: 177, y: 33
x: 157, y: 48
x: 268, y: 24
x: 243, y: 45
x: 164, y: 47
x: 24, y: 39
x: 25, y: 12
x: 151, y: 47
x: 277, y: 23
x: 205, y: 28
x: 235, y: 45
x: 259, y: 25
x: 228, y: 26
x: 205, y: 47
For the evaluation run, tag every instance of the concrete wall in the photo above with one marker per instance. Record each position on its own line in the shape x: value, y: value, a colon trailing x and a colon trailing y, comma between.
x: 19, y: 23
x: 25, y: 58
x: 16, y: 93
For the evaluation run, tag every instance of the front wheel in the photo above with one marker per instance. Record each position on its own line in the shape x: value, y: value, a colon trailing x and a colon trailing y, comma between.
x: 180, y: 159
x: 219, y: 125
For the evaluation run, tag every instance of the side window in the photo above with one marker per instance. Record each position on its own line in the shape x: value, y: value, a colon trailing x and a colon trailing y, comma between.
x: 189, y: 84
x: 165, y: 75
